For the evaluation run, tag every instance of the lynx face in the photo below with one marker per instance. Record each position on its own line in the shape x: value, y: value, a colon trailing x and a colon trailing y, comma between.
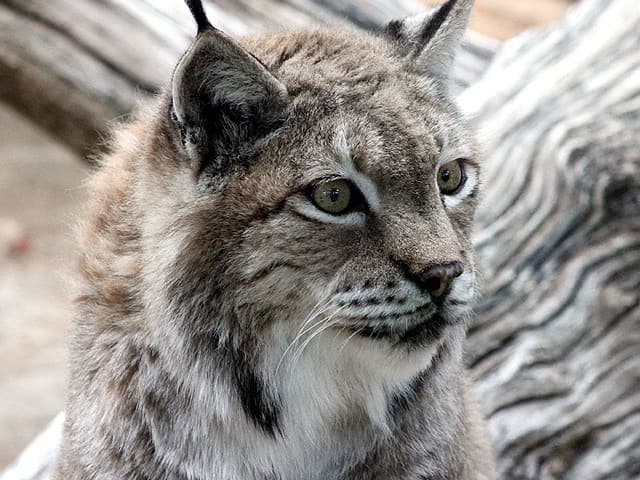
x: 305, y: 211
x: 358, y: 235
x: 278, y: 252
x: 319, y: 198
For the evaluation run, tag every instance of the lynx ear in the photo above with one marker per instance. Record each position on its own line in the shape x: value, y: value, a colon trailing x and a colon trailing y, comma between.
x: 224, y: 99
x: 430, y: 40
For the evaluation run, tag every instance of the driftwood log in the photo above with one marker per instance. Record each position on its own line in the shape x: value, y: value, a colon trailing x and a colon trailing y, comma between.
x: 556, y: 346
x: 555, y: 349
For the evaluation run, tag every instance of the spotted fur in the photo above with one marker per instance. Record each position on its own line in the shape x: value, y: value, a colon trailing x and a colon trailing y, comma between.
x: 225, y: 327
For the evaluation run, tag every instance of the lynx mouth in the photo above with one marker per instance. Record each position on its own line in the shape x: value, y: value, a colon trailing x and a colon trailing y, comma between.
x: 425, y: 329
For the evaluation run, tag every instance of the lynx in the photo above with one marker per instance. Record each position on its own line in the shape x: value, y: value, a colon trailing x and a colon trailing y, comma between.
x: 276, y: 271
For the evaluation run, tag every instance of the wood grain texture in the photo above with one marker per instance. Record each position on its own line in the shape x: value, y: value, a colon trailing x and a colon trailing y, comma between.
x: 556, y: 348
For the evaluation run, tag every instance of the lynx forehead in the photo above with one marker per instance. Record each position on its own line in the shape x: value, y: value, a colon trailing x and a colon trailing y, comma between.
x: 277, y: 273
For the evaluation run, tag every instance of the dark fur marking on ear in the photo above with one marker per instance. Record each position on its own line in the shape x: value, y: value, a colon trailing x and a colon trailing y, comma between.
x: 232, y: 135
x: 434, y: 24
x: 199, y: 15
x: 394, y: 30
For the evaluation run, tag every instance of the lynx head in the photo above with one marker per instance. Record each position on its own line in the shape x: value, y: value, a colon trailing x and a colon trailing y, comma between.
x: 306, y: 203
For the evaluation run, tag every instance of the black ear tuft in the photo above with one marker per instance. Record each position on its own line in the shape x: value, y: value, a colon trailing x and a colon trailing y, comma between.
x: 199, y: 15
x: 428, y: 31
x: 429, y: 40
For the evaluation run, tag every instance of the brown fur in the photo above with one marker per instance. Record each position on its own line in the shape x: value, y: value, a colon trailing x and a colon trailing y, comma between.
x: 200, y: 263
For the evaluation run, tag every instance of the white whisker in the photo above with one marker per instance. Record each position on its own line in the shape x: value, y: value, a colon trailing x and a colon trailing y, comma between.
x: 329, y: 323
x: 318, y: 309
x: 358, y: 330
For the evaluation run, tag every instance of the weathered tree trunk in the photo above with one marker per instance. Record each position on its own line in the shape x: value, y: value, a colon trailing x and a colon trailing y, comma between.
x: 73, y: 66
x: 556, y: 346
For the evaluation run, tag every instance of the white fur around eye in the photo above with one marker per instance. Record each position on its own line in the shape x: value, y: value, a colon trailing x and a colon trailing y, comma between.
x: 471, y: 172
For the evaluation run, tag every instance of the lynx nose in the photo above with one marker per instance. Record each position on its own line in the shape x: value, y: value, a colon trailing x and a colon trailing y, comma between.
x: 437, y: 279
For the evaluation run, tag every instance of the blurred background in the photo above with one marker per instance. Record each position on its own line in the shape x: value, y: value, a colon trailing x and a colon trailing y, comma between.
x: 41, y: 197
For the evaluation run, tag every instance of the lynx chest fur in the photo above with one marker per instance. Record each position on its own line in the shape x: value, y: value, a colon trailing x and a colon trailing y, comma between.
x: 276, y: 271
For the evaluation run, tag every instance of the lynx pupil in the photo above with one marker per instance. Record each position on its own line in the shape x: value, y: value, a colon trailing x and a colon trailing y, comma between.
x: 333, y: 196
x: 451, y: 177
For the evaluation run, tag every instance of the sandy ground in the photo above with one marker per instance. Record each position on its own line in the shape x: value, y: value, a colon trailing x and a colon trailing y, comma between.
x: 40, y: 196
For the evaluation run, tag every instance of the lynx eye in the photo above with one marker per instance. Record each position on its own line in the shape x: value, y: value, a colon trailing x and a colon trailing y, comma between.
x: 451, y: 177
x: 333, y: 196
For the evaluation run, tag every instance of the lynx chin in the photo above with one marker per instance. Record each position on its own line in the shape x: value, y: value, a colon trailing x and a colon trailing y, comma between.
x: 276, y: 272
